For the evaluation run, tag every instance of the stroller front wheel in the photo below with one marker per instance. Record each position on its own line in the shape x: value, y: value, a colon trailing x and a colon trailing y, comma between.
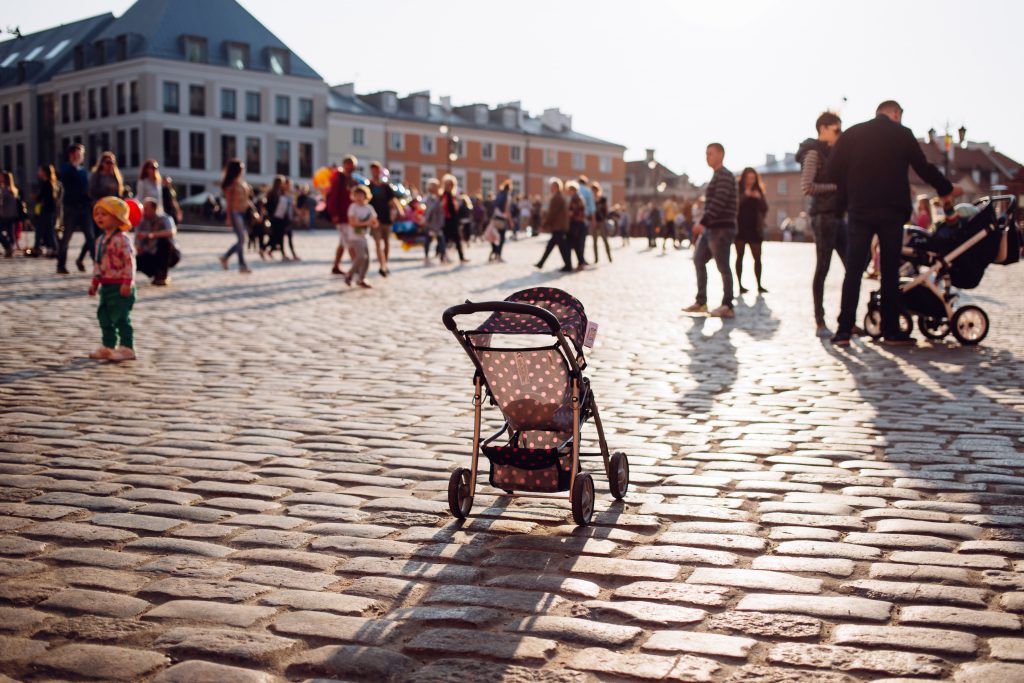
x: 969, y: 325
x: 873, y: 323
x: 933, y: 328
x: 460, y: 495
x: 618, y: 475
x: 583, y: 498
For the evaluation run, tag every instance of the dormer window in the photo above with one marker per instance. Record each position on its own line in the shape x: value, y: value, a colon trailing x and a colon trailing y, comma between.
x: 390, y: 102
x: 99, y: 53
x: 195, y: 49
x: 121, y: 46
x: 238, y: 56
x: 79, y: 57
x: 278, y: 61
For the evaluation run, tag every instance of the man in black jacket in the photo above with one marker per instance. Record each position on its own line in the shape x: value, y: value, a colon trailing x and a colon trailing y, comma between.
x: 870, y: 164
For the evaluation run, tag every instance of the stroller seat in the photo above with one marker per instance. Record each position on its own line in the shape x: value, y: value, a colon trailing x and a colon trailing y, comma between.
x: 542, y: 394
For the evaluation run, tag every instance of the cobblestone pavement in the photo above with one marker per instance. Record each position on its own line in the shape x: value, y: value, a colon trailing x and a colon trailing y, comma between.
x: 261, y: 497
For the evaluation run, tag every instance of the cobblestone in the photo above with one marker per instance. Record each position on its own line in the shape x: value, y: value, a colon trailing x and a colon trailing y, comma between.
x: 268, y: 500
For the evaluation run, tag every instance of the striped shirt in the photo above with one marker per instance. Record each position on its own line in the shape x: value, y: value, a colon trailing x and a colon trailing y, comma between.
x: 720, y: 200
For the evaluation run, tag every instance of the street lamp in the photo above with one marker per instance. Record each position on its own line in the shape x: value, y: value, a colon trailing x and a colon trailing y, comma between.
x: 453, y: 145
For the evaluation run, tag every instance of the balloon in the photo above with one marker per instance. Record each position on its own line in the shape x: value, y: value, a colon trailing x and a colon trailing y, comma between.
x: 134, y: 211
x: 322, y: 177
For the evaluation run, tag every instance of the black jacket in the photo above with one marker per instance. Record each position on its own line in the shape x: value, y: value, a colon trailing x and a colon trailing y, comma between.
x: 870, y: 163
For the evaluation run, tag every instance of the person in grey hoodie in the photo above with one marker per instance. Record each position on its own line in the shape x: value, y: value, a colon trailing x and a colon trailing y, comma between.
x: 826, y: 212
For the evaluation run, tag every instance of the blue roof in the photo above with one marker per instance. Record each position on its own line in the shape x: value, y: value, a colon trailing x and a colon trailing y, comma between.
x: 43, y: 53
x: 154, y: 28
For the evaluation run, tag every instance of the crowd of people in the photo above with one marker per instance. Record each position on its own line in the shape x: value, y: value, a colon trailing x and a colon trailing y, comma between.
x: 856, y: 182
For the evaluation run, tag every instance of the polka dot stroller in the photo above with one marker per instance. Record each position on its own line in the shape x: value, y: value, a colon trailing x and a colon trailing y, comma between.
x: 545, y: 399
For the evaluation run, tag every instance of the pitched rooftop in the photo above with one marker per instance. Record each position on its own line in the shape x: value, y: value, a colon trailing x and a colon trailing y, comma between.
x: 35, y: 57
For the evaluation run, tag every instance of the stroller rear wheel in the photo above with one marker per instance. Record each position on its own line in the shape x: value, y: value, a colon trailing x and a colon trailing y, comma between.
x: 582, y: 498
x: 933, y: 327
x: 618, y: 475
x: 460, y: 496
x: 969, y: 325
x: 873, y: 323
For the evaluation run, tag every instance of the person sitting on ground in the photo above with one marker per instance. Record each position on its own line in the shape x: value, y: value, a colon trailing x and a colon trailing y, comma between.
x: 154, y: 239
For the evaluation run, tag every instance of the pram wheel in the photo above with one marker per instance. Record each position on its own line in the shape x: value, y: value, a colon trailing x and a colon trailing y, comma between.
x: 873, y: 323
x: 933, y: 328
x: 618, y: 475
x: 582, y: 498
x: 460, y: 496
x: 969, y: 325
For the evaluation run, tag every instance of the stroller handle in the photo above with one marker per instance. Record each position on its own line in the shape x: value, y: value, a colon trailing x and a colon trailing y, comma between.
x: 468, y: 308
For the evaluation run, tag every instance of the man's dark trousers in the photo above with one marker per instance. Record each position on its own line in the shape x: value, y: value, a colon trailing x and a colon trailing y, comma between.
x: 75, y: 218
x: 889, y: 228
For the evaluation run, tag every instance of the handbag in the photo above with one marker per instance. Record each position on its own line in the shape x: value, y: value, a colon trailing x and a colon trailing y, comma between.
x: 173, y: 256
x: 491, y: 234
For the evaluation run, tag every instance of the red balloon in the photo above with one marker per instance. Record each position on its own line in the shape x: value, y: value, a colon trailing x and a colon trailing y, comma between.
x: 134, y: 212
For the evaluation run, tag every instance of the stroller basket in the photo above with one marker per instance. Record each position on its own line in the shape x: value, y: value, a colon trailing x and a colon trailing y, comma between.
x: 543, y: 396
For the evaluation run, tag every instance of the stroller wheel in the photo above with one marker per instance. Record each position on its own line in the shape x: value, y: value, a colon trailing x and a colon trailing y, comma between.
x: 583, y: 498
x: 460, y: 496
x: 618, y: 475
x: 969, y: 325
x: 933, y: 328
x: 873, y: 323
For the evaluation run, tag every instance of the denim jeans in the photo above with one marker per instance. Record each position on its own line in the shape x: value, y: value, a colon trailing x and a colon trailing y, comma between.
x: 714, y: 243
x: 829, y: 235
x: 75, y: 218
x: 889, y: 228
x: 241, y: 234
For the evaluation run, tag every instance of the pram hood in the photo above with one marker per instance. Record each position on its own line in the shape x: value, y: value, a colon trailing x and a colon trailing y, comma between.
x: 967, y: 269
x: 566, y: 308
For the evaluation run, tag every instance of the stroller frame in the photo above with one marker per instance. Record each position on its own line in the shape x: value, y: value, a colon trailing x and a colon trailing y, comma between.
x: 970, y: 323
x: 462, y: 483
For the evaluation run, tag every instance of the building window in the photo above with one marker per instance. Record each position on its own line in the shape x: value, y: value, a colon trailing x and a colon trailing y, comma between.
x: 282, y: 110
x: 238, y: 56
x: 197, y: 100
x: 104, y: 142
x: 228, y: 149
x: 65, y: 108
x: 783, y: 186
x: 99, y: 52
x: 426, y: 144
x: 171, y: 104
x: 306, y: 160
x: 397, y: 173
x: 121, y: 144
x: 517, y: 186
x: 993, y: 176
x: 487, y: 150
x: 121, y: 48
x: 578, y: 160
x: 305, y: 112
x: 358, y: 137
x: 605, y: 164
x: 550, y: 157
x: 104, y: 102
x: 92, y: 103
x: 5, y: 122
x: 19, y: 157
x: 283, y: 164
x: 515, y: 153
x: 195, y: 49
x: 120, y: 104
x: 172, y: 148
x: 252, y: 106
x: 197, y: 151
x: 278, y: 61
x: 486, y: 185
x: 396, y: 141
x: 228, y: 104
x: 252, y: 155
x: 133, y: 140
x: 76, y: 106
x: 133, y: 96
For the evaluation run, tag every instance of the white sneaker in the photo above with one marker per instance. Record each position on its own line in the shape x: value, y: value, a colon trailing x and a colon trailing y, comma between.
x: 101, y: 353
x: 723, y: 312
x: 122, y: 353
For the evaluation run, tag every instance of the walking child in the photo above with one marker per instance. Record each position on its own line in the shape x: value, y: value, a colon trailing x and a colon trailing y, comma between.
x: 114, y: 280
x: 361, y: 217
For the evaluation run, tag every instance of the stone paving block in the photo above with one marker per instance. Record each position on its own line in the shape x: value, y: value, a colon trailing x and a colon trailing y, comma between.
x: 705, y: 596
x: 173, y: 545
x: 77, y: 600
x: 210, y: 612
x: 352, y: 661
x: 822, y: 549
x: 785, y: 563
x: 732, y: 542
x: 253, y: 647
x: 191, y: 567
x: 14, y: 619
x: 710, y: 644
x: 123, y: 520
x: 287, y: 558
x: 853, y: 659
x: 286, y: 578
x: 898, y: 591
x: 515, y: 600
x: 450, y: 669
x: 204, y: 589
x: 326, y: 626
x: 513, y: 648
x: 1011, y: 649
x: 20, y: 649
x: 951, y: 559
x: 641, y: 612
x: 820, y: 606
x: 316, y: 600
x: 771, y: 625
x: 75, y: 532
x: 620, y: 567
x: 682, y: 555
x: 977, y: 672
x: 907, y: 638
x: 91, y: 628
x: 465, y: 616
x: 197, y: 671
x: 101, y: 661
x: 583, y: 631
x: 917, y: 572
x: 955, y: 617
x: 644, y: 667
x: 755, y: 579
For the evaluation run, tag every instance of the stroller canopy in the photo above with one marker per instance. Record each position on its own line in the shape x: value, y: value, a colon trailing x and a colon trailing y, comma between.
x: 966, y: 270
x: 563, y: 306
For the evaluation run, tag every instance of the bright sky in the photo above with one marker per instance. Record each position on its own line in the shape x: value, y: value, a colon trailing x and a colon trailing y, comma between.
x: 667, y: 74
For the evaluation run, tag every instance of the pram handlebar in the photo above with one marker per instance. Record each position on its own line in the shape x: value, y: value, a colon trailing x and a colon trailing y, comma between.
x: 468, y: 308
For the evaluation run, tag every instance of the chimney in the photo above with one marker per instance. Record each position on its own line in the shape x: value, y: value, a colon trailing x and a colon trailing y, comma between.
x: 345, y: 89
x: 770, y: 160
x: 556, y: 120
x: 446, y: 103
x: 931, y: 136
x: 649, y: 155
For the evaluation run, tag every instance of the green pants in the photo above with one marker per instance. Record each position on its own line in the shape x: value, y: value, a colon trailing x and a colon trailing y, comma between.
x: 115, y: 316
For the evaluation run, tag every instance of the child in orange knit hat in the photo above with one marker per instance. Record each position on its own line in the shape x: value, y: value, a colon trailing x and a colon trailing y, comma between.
x: 114, y: 279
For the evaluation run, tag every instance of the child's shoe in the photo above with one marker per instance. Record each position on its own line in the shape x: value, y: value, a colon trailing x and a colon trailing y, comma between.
x: 123, y: 353
x: 102, y: 353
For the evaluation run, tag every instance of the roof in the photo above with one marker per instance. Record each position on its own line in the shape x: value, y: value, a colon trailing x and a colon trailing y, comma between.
x: 154, y: 28
x: 43, y: 53
x: 340, y: 101
x: 975, y: 156
x: 787, y: 164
